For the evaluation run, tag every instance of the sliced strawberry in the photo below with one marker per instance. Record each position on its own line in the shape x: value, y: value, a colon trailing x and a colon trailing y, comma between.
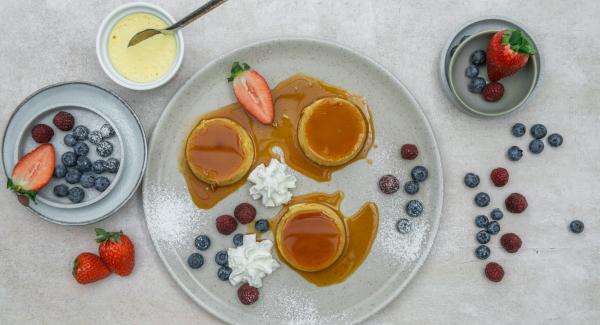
x: 507, y: 52
x: 253, y: 92
x: 33, y: 171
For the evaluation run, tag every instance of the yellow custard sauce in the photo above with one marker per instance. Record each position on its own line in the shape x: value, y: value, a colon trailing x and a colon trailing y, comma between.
x: 147, y: 61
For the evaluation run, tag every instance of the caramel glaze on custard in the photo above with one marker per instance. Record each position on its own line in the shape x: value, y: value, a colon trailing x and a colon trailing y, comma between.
x: 360, y: 232
x: 290, y: 97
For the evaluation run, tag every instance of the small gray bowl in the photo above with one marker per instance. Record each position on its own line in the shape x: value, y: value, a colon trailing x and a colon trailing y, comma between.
x: 517, y: 88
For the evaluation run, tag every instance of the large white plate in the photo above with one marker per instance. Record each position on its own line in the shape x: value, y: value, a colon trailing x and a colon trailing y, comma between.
x: 174, y: 221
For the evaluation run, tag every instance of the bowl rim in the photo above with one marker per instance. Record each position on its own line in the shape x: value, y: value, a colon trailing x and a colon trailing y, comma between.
x: 102, y: 49
x: 474, y: 110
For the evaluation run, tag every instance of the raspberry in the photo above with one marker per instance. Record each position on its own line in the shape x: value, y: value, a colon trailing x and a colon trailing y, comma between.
x: 226, y: 224
x: 244, y: 213
x: 511, y: 242
x: 499, y: 176
x: 409, y: 151
x: 494, y: 272
x: 64, y: 121
x: 516, y: 203
x: 493, y: 92
x: 42, y: 133
x: 248, y: 294
x: 389, y: 184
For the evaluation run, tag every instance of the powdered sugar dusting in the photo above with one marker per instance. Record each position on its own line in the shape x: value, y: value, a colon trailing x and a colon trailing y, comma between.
x: 295, y: 308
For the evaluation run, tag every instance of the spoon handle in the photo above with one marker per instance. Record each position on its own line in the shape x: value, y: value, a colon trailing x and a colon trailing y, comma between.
x: 212, y: 4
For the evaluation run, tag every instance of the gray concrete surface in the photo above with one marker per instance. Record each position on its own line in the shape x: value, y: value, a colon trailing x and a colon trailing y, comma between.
x: 552, y: 280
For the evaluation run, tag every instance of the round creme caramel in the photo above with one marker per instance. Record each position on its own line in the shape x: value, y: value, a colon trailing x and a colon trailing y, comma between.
x: 310, y: 236
x: 332, y: 131
x: 219, y: 151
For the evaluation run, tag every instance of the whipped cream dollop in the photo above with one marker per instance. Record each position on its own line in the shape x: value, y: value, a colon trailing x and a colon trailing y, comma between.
x: 272, y: 184
x: 251, y: 262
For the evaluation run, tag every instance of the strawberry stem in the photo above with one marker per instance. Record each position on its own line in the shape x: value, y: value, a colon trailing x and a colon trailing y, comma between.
x: 518, y: 41
x: 75, y: 263
x: 237, y: 69
x: 20, y: 190
x: 104, y: 236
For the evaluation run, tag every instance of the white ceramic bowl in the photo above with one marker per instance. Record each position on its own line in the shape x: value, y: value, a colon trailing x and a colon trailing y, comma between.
x: 102, y: 44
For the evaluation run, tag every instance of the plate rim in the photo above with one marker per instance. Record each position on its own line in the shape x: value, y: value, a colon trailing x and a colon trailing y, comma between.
x: 435, y: 226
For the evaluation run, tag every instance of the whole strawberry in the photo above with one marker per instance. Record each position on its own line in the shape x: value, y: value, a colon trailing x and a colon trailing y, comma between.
x: 507, y: 52
x: 116, y: 250
x: 88, y: 268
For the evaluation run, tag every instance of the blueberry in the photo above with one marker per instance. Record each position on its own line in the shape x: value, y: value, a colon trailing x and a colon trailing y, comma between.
x: 518, y: 130
x: 196, y: 260
x: 404, y: 226
x: 261, y: 225
x: 483, y: 237
x: 221, y: 258
x: 69, y: 159
x: 496, y: 214
x: 60, y: 171
x: 482, y: 252
x: 112, y: 165
x: 70, y: 140
x: 476, y: 85
x: 471, y: 180
x: 482, y: 199
x: 493, y: 228
x: 98, y: 166
x: 223, y: 273
x: 555, y: 140
x: 576, y: 226
x: 471, y: 71
x: 536, y: 146
x: 81, y: 132
x: 81, y: 149
x: 419, y: 174
x: 481, y: 221
x: 101, y: 183
x: 411, y: 187
x: 414, y: 208
x: 95, y: 137
x: 107, y: 131
x: 238, y: 240
x: 538, y: 131
x: 76, y: 194
x: 88, y: 180
x: 515, y: 153
x: 61, y: 190
x: 477, y: 57
x: 84, y: 164
x: 104, y: 149
x: 202, y: 242
x: 73, y: 176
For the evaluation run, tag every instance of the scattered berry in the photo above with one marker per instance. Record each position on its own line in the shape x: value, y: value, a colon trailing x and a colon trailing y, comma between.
x: 81, y: 149
x: 196, y: 260
x: 70, y: 140
x: 477, y: 57
x: 60, y: 171
x: 61, y: 190
x: 538, y: 131
x: 493, y: 227
x: 112, y: 165
x: 104, y: 149
x: 518, y: 130
x: 471, y: 71
x: 496, y: 214
x: 555, y: 140
x: 389, y: 184
x: 81, y: 132
x: 88, y: 180
x: 223, y: 273
x: 88, y: 268
x: 419, y: 174
x: 244, y: 213
x: 414, y: 208
x: 404, y: 226
x: 248, y: 294
x: 63, y: 121
x: 76, y: 194
x: 482, y: 221
x: 238, y: 240
x: 226, y: 224
x: 73, y: 176
x: 576, y: 226
x: 101, y: 183
x: 107, y: 131
x: 499, y: 176
x: 116, y: 250
x: 98, y: 166
x: 69, y: 159
x: 95, y: 137
x: 409, y: 151
x: 261, y: 225
x: 516, y: 203
x: 483, y: 237
x: 482, y: 199
x: 471, y: 180
x: 511, y: 242
x: 536, y: 146
x: 84, y: 164
x: 482, y: 252
x: 494, y: 272
x: 411, y: 187
x: 221, y: 258
x: 202, y: 242
x: 41, y: 133
x: 477, y: 85
x: 515, y: 153
x: 493, y: 92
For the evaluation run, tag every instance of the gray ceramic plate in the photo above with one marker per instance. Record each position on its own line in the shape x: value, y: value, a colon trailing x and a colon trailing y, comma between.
x: 173, y: 220
x: 91, y: 106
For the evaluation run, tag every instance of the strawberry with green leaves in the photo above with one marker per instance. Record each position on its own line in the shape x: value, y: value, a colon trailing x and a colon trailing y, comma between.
x: 116, y: 250
x: 33, y: 172
x: 507, y: 52
x: 88, y: 268
x: 253, y: 92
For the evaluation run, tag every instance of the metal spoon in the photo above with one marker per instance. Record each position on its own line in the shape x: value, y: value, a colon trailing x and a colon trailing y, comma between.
x: 147, y: 33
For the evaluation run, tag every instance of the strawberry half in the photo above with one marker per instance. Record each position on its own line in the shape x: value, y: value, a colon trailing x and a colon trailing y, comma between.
x: 507, y: 52
x: 253, y: 92
x: 33, y: 171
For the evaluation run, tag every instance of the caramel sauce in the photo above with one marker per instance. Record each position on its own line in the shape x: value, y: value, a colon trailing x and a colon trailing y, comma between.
x: 289, y: 97
x: 361, y: 229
